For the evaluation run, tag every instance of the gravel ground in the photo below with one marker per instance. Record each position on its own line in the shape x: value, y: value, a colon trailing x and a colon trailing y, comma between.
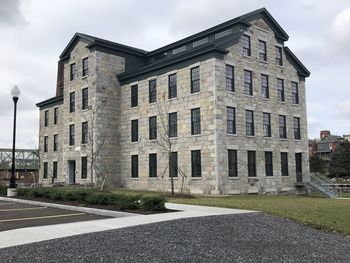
x: 252, y: 237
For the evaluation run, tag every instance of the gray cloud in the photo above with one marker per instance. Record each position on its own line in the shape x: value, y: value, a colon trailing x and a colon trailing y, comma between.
x: 10, y: 13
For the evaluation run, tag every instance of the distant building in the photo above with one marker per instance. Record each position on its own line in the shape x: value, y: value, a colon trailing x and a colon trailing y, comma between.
x: 326, y: 145
x: 27, y: 166
x: 346, y: 137
x: 312, y: 147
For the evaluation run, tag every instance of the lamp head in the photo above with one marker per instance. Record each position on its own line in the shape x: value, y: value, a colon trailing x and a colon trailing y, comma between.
x: 15, y: 92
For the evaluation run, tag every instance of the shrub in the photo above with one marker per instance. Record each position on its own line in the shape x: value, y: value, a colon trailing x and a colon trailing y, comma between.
x: 57, y: 195
x: 24, y: 192
x: 153, y: 203
x: 3, y: 190
x: 84, y: 196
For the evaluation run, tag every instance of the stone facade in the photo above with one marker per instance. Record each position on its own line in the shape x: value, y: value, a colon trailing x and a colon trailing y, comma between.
x: 110, y: 113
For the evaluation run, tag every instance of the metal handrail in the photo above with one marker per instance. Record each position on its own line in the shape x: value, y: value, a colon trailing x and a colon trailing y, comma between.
x: 326, y: 184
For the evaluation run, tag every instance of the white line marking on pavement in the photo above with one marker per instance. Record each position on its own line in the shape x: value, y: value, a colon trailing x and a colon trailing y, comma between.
x: 39, y: 217
x: 8, y: 203
x: 21, y: 209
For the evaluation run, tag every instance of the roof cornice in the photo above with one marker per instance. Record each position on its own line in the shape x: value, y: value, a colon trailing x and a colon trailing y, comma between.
x: 95, y: 41
x: 301, y: 69
x: 49, y: 101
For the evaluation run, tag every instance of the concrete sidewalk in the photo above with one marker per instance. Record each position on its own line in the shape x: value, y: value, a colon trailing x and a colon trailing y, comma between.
x: 42, y: 233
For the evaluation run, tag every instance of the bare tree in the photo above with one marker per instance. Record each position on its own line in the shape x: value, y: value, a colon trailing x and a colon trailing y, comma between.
x: 93, y: 149
x: 166, y: 142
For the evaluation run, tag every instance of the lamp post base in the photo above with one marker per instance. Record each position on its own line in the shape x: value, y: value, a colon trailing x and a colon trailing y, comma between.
x: 11, y: 192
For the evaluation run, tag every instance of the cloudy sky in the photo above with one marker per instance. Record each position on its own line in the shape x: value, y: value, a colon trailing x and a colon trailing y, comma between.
x: 34, y: 32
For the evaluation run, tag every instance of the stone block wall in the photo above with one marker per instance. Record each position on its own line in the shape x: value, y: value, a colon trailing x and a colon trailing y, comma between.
x: 50, y: 130
x: 240, y: 141
x: 183, y: 144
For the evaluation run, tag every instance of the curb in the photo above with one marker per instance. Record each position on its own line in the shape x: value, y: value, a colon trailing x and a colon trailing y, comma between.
x: 87, y: 210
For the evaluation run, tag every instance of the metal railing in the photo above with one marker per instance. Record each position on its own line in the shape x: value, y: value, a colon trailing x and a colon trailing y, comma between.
x: 324, y: 185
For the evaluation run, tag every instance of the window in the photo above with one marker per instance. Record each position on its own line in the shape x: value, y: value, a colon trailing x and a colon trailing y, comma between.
x: 152, y: 88
x: 248, y: 84
x: 196, y: 163
x: 45, y: 170
x: 284, y: 164
x: 195, y: 121
x: 84, y: 167
x: 153, y: 165
x: 295, y: 93
x: 279, y: 56
x: 231, y: 120
x: 173, y: 124
x: 46, y: 144
x: 85, y: 98
x: 46, y: 118
x: 71, y: 134
x: 55, y: 142
x: 72, y: 102
x: 230, y: 83
x: 152, y: 121
x: 282, y: 126
x: 85, y: 67
x: 54, y: 170
x: 246, y: 45
x: 268, y: 164
x: 134, y: 166
x: 249, y: 115
x: 173, y: 169
x: 73, y: 71
x: 134, y: 95
x: 84, y: 132
x: 195, y: 82
x: 55, y: 115
x: 262, y: 50
x: 296, y: 124
x: 280, y: 89
x: 172, y: 89
x: 265, y: 86
x: 232, y: 163
x: 267, y: 124
x: 134, y: 130
x: 251, y: 164
x: 298, y: 167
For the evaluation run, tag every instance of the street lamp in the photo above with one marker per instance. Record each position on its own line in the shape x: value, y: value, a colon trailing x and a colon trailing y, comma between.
x: 15, y: 96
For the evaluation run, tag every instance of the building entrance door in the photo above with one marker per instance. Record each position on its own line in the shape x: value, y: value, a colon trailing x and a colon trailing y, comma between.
x: 71, y: 171
x: 298, y: 167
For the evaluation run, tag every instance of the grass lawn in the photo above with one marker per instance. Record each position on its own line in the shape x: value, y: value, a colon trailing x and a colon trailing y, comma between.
x: 321, y: 213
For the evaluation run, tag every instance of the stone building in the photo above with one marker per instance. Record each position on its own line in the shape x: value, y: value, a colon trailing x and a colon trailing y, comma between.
x: 221, y: 112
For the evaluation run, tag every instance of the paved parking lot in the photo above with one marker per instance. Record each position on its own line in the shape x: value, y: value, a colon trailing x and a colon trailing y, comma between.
x: 250, y: 237
x: 16, y: 215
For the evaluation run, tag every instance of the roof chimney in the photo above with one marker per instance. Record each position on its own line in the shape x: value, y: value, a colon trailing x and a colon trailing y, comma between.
x: 60, y: 79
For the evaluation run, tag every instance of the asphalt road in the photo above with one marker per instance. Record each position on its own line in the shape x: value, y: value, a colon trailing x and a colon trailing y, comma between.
x: 15, y: 215
x: 252, y: 237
